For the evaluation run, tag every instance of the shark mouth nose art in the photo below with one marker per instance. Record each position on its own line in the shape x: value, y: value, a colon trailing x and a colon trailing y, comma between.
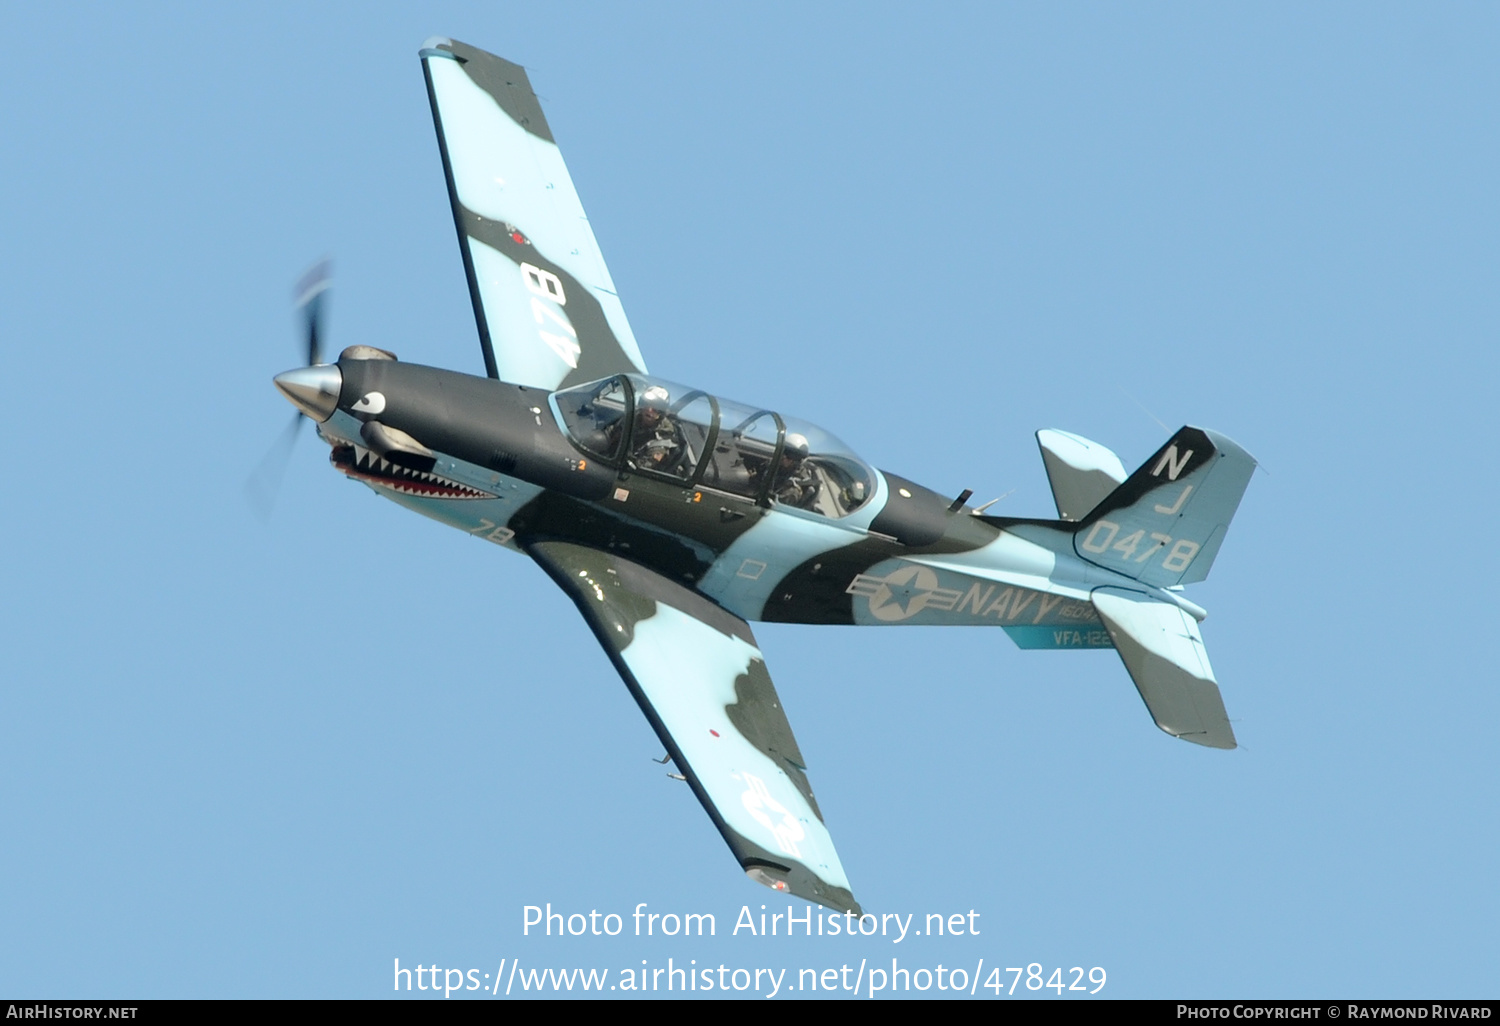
x: 365, y: 465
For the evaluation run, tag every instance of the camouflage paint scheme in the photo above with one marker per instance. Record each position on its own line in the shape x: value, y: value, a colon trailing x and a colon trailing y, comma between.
x: 667, y: 569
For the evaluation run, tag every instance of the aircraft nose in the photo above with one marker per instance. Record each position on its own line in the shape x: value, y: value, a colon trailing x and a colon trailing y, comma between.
x: 313, y: 390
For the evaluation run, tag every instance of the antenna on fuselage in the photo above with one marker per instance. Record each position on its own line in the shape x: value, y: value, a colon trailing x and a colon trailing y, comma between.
x: 987, y: 505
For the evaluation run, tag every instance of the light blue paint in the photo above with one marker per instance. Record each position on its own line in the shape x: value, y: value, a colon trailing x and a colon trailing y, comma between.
x: 780, y: 542
x: 908, y: 592
x: 783, y: 540
x: 504, y: 173
x: 1192, y: 512
x: 521, y: 356
x: 688, y: 670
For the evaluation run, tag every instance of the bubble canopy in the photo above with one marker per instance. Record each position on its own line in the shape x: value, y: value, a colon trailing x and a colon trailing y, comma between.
x: 670, y: 431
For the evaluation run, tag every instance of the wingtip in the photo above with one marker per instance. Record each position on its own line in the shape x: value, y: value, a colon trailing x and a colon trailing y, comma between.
x: 804, y: 884
x: 438, y: 46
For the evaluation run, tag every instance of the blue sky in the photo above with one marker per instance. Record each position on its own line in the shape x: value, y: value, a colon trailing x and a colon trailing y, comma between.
x: 240, y: 759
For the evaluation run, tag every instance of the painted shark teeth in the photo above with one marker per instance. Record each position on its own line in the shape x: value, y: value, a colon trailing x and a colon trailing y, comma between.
x: 365, y: 465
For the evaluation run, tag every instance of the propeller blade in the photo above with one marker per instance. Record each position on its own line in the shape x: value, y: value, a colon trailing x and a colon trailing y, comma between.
x: 311, y: 292
x: 263, y: 486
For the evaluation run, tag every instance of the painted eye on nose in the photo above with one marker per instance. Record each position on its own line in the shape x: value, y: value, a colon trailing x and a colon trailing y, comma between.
x: 372, y: 403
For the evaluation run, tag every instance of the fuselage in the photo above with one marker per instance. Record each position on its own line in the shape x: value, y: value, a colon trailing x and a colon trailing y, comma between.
x: 495, y: 460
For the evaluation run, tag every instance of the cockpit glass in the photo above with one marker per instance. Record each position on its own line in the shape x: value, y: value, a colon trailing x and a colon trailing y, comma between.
x: 671, y: 430
x: 818, y: 473
x: 594, y: 414
x: 745, y: 448
x: 685, y: 434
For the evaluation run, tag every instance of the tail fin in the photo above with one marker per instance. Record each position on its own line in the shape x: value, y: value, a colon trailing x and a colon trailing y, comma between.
x: 1165, y: 524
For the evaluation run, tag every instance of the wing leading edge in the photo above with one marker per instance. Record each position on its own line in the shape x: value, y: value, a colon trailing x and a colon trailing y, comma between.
x: 698, y: 675
x: 545, y: 304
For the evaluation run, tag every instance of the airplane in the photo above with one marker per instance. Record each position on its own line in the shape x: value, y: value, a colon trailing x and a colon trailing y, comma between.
x: 673, y: 517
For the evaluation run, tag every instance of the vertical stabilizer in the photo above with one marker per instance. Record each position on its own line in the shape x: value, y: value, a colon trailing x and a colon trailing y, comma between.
x: 1165, y: 524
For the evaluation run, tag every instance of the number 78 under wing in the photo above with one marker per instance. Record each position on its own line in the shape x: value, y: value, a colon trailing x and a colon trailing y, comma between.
x: 674, y: 517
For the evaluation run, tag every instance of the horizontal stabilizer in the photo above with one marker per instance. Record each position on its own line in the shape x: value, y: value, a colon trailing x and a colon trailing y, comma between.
x: 1081, y: 472
x: 1163, y: 651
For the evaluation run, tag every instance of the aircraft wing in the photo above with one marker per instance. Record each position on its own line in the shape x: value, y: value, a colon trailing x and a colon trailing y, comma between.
x: 699, y: 677
x: 546, y: 306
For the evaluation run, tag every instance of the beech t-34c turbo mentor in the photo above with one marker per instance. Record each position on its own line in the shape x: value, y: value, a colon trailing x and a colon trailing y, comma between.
x: 672, y: 517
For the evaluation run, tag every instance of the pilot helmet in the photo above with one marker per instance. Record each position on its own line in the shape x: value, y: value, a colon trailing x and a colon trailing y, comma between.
x: 795, y: 445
